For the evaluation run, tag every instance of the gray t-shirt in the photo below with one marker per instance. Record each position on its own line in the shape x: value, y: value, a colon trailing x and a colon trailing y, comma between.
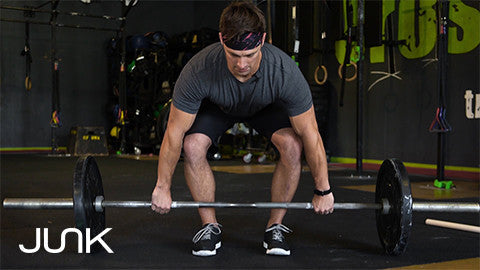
x: 206, y: 76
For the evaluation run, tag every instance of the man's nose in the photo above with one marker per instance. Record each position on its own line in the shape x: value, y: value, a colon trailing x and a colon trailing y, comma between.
x: 242, y: 62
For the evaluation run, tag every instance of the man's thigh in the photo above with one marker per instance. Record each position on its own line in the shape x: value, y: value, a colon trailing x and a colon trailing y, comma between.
x: 272, y: 118
x: 211, y: 121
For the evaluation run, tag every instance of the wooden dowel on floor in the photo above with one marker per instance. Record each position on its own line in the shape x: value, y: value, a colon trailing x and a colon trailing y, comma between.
x: 453, y: 225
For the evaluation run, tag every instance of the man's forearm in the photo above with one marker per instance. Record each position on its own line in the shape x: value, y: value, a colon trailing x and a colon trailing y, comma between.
x: 168, y: 159
x: 317, y: 160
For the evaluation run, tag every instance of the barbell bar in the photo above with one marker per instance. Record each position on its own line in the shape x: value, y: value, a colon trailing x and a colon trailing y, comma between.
x: 99, y: 204
x: 393, y: 203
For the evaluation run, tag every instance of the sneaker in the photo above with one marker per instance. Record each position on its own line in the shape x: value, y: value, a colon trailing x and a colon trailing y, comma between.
x: 207, y: 240
x: 274, y: 240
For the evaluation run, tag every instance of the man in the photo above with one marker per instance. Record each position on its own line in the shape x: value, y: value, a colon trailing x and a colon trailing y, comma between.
x: 241, y: 79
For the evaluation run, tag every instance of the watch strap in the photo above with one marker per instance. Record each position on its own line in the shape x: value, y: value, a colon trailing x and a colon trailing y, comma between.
x: 322, y: 192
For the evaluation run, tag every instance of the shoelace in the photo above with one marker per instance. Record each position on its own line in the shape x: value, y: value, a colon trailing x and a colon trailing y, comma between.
x: 206, y: 232
x: 277, y: 231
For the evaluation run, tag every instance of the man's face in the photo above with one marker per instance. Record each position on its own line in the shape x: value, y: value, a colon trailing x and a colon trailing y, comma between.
x: 243, y: 64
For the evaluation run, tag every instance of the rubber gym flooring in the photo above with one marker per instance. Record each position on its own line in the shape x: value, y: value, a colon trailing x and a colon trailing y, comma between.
x: 142, y: 239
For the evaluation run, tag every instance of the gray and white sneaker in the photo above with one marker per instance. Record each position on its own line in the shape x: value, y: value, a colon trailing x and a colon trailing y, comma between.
x: 274, y: 240
x: 207, y: 240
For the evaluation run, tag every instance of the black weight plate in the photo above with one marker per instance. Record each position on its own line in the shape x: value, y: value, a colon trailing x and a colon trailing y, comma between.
x: 87, y: 185
x: 394, y: 228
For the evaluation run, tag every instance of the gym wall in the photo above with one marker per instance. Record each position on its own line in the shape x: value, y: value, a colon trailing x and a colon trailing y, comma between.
x: 397, y: 113
x: 25, y: 115
x: 84, y: 88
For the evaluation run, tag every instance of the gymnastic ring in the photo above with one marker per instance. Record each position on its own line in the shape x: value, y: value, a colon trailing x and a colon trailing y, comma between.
x: 325, y: 75
x: 348, y: 79
x: 28, y: 83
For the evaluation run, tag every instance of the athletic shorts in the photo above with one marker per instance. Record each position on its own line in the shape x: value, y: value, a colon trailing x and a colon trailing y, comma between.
x: 213, y: 122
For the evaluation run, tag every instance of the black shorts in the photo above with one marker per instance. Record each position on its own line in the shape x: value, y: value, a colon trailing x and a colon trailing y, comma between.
x: 213, y: 122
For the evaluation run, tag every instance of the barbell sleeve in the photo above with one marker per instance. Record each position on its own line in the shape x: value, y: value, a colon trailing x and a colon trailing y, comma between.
x: 38, y: 203
x: 446, y: 207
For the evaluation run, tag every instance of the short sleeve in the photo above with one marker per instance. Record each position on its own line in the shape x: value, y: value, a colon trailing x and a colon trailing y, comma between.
x: 188, y: 94
x: 296, y: 94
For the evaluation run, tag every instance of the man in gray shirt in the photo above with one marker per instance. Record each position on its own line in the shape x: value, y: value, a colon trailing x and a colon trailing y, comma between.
x: 242, y: 79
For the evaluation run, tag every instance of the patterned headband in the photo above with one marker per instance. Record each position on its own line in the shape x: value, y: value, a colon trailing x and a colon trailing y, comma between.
x: 245, y: 42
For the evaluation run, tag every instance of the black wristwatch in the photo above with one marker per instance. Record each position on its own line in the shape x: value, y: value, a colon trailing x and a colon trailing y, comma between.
x: 322, y: 192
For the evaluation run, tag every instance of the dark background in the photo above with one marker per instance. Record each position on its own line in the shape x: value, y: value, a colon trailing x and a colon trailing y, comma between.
x: 397, y: 113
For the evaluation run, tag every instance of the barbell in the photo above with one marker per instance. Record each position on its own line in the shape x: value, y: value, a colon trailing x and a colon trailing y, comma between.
x: 393, y: 203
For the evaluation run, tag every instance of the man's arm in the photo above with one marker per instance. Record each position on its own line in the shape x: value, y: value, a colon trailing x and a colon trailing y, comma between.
x: 305, y: 126
x: 178, y: 123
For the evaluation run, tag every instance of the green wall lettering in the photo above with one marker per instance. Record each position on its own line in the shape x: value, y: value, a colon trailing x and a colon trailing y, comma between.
x: 377, y: 54
x: 340, y: 45
x: 464, y: 35
x: 421, y: 41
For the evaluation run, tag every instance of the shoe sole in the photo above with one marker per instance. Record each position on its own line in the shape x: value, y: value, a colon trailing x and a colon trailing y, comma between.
x: 206, y: 253
x: 276, y: 251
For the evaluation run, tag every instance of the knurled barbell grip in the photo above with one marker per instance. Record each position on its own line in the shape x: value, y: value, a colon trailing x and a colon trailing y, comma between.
x: 293, y: 205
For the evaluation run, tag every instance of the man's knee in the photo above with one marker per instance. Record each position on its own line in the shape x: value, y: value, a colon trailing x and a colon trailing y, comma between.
x: 289, y: 144
x: 195, y: 147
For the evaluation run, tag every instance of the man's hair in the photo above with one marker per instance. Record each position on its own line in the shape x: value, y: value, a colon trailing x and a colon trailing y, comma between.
x: 241, y: 17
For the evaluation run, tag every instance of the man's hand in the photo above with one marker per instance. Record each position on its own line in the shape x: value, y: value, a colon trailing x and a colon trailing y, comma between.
x: 323, y: 204
x: 161, y: 200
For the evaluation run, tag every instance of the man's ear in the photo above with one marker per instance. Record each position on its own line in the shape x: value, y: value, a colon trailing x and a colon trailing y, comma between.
x: 220, y: 37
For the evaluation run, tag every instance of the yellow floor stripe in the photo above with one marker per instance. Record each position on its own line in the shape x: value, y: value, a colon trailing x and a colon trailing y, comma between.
x: 259, y: 168
x: 473, y: 263
x: 244, y: 169
x: 139, y: 157
x: 250, y: 168
x: 408, y: 164
x: 426, y: 190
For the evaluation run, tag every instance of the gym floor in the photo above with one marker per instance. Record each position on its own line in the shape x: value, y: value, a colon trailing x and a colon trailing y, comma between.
x: 142, y: 239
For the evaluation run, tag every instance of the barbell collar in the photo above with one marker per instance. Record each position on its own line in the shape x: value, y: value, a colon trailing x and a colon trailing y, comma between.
x: 98, y: 204
x: 385, y: 206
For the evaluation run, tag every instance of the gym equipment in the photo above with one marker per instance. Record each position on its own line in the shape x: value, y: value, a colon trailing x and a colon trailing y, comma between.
x: 393, y: 203
x: 393, y: 186
x: 452, y: 225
